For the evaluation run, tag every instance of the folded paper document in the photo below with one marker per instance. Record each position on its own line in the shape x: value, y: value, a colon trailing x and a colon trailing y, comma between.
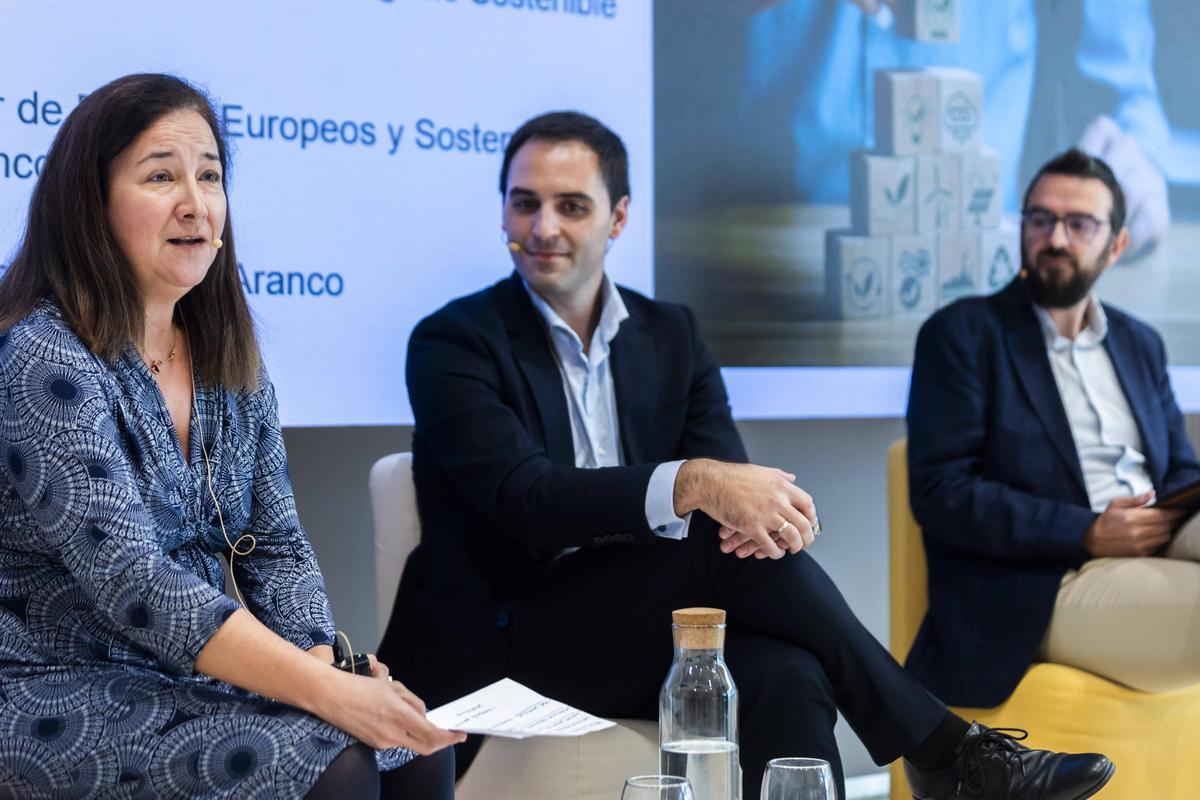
x: 506, y: 708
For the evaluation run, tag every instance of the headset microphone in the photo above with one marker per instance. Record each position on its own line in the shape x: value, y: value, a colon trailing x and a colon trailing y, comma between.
x: 216, y: 243
x: 515, y: 247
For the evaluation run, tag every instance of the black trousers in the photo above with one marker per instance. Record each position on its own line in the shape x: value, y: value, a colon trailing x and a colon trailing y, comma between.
x: 595, y: 631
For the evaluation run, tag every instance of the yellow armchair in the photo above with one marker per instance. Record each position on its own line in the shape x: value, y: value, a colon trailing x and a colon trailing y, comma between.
x: 1154, y: 739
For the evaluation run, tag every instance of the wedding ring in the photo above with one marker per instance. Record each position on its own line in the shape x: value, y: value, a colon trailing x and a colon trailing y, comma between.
x: 782, y: 527
x: 816, y: 528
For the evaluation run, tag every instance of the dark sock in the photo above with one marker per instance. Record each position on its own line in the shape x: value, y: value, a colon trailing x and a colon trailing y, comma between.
x: 940, y: 747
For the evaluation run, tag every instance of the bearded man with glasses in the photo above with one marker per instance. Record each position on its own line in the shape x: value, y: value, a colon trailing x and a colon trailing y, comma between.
x: 1042, y: 427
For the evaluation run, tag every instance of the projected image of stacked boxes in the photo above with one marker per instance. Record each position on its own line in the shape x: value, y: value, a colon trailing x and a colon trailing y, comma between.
x: 925, y: 204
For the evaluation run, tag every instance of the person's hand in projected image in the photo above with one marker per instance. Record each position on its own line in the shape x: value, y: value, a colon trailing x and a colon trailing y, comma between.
x: 1148, y: 209
x: 767, y: 513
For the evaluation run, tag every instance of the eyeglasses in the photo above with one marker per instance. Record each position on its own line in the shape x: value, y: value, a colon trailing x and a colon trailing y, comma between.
x: 1080, y: 228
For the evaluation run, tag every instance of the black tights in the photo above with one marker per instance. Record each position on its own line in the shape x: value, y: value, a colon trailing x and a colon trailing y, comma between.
x: 423, y: 778
x: 354, y: 775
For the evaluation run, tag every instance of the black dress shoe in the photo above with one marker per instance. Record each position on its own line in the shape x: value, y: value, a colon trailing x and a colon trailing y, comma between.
x: 991, y: 765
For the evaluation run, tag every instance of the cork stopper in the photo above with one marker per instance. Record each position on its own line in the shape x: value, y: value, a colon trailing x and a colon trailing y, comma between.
x: 699, y: 628
x: 698, y: 617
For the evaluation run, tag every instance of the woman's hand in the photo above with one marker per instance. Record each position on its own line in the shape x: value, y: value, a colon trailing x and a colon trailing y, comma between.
x: 379, y: 669
x: 381, y: 712
x: 377, y: 711
x: 422, y: 734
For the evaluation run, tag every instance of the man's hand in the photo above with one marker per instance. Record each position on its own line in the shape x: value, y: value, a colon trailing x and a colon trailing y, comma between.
x: 744, y: 546
x: 762, y: 507
x: 1128, y: 528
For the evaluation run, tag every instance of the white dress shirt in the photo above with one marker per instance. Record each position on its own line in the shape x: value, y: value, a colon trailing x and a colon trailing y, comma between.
x: 1106, y: 434
x: 592, y: 405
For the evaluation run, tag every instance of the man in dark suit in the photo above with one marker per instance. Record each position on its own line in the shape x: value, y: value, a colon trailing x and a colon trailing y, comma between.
x: 579, y: 476
x: 1041, y: 424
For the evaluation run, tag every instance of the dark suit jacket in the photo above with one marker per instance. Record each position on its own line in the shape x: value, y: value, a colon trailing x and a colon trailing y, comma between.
x: 493, y: 459
x: 997, y: 486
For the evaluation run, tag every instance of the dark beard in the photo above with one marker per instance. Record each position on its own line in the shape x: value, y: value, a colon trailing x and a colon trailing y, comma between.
x: 1066, y: 294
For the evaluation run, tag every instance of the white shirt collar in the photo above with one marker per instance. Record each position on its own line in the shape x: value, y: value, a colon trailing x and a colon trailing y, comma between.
x: 1095, y: 326
x: 612, y: 313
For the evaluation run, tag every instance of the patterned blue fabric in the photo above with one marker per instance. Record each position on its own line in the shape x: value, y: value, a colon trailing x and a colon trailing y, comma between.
x: 110, y: 583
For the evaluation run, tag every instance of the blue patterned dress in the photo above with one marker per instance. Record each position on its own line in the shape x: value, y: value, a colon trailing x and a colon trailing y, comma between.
x: 110, y: 583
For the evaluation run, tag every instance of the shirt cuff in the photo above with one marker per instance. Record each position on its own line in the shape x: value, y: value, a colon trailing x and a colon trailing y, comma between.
x: 660, y: 503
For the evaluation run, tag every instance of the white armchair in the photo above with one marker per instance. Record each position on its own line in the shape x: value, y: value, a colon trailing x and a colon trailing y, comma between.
x: 591, y: 767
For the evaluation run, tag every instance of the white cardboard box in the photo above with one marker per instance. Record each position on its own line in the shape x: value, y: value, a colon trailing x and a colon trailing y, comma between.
x: 999, y: 256
x: 856, y: 274
x: 928, y: 20
x: 960, y: 109
x: 906, y: 111
x: 913, y: 284
x: 939, y: 192
x: 882, y: 193
x: 981, y: 189
x: 958, y: 265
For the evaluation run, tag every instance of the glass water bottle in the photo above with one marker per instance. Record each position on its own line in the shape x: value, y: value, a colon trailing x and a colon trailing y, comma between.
x: 697, y: 709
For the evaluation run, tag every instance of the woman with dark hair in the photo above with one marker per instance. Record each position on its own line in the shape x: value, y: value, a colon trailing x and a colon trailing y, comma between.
x: 139, y: 439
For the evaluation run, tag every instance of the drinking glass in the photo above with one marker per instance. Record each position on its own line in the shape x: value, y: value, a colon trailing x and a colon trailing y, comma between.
x: 798, y: 779
x: 657, y: 787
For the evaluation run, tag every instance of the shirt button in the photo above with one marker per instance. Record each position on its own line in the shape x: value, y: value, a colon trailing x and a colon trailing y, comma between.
x: 501, y: 620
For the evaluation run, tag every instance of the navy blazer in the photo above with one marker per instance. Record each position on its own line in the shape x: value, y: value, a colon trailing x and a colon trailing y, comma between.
x: 997, y: 486
x: 494, y: 464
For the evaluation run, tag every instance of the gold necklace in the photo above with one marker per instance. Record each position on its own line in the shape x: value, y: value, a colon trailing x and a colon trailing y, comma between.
x: 156, y: 363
